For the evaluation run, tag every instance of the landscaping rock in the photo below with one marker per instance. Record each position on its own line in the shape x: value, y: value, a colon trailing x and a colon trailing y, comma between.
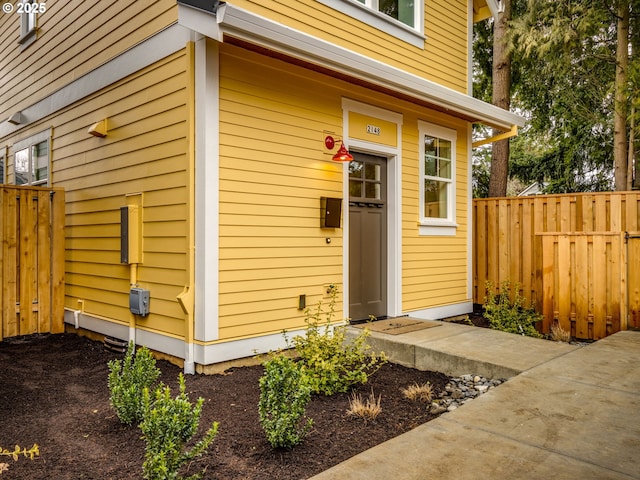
x: 462, y: 389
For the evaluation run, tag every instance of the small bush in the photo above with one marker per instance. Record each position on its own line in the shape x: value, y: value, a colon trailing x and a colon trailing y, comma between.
x: 513, y: 316
x: 367, y: 409
x: 415, y: 392
x: 284, y: 395
x: 332, y: 364
x: 17, y: 452
x: 167, y: 425
x: 127, y: 380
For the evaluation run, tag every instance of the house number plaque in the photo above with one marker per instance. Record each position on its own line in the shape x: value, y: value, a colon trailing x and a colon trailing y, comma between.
x: 372, y: 129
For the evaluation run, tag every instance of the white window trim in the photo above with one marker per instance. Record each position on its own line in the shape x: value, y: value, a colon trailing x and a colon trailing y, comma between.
x: 438, y: 226
x: 28, y: 35
x: 44, y: 136
x: 385, y: 23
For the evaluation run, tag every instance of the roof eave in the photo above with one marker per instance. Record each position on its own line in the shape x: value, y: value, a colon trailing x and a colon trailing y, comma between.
x: 233, y: 22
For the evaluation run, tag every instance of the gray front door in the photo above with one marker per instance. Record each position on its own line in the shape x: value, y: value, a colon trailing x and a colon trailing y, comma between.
x: 367, y: 236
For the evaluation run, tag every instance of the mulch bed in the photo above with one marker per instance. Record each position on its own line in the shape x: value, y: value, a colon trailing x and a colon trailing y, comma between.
x: 53, y: 392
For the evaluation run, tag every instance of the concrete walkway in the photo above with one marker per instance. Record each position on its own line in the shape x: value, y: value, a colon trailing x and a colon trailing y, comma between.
x: 567, y: 412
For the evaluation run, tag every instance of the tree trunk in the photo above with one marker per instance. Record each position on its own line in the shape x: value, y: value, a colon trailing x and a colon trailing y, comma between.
x: 620, y: 115
x: 501, y: 98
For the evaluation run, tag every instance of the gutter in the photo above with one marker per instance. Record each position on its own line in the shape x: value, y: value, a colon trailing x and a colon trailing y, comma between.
x: 229, y: 23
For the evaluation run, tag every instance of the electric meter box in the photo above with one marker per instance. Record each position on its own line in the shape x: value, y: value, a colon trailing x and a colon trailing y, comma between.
x: 139, y: 301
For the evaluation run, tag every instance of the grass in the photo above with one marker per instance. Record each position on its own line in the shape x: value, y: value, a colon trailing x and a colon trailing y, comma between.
x: 415, y: 392
x: 559, y: 334
x: 368, y: 408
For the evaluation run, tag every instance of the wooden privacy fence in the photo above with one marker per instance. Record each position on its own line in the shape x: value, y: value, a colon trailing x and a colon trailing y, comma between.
x: 576, y: 257
x: 32, y: 260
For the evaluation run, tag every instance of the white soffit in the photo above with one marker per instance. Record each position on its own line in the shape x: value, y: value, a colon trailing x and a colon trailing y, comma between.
x: 244, y: 25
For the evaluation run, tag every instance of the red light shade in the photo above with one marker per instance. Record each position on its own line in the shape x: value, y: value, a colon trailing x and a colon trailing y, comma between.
x: 342, y: 155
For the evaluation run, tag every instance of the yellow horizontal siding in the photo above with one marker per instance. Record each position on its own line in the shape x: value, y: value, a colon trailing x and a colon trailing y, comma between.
x: 434, y: 268
x: 73, y: 39
x: 271, y: 249
x: 144, y: 152
x: 442, y: 60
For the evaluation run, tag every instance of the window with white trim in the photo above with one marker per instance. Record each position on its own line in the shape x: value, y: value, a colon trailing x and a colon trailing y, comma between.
x: 437, y: 179
x: 404, y: 11
x: 402, y: 19
x: 31, y: 160
x: 28, y: 10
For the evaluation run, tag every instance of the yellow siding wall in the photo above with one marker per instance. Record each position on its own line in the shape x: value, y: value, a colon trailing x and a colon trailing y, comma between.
x: 435, y: 269
x: 144, y: 151
x: 273, y: 172
x: 443, y: 60
x: 74, y: 38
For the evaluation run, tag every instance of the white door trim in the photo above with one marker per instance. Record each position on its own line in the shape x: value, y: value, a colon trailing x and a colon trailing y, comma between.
x: 394, y: 201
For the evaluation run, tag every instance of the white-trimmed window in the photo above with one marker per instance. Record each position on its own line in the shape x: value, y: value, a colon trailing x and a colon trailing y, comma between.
x: 437, y: 180
x: 405, y: 11
x: 31, y: 160
x: 403, y: 19
x: 28, y: 10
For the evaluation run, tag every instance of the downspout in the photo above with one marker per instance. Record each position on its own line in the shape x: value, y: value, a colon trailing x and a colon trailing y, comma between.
x: 133, y: 282
x: 76, y: 316
x: 186, y: 297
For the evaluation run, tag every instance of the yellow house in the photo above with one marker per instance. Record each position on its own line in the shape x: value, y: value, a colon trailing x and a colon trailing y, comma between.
x: 195, y: 141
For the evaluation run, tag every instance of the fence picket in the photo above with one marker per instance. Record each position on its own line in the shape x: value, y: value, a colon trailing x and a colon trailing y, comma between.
x: 32, y: 253
x: 571, y: 248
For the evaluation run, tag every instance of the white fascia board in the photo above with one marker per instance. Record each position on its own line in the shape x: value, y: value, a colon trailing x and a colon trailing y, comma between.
x: 274, y: 36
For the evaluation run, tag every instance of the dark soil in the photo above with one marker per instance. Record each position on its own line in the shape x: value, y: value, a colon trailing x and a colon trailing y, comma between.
x: 53, y: 392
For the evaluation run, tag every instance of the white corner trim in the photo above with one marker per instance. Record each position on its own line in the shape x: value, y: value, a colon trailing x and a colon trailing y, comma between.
x: 207, y: 190
x: 151, y: 50
x: 261, y: 31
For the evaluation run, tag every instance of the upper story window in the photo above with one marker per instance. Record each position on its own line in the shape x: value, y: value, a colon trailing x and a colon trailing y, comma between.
x: 31, y: 160
x: 28, y: 11
x: 404, y: 11
x: 437, y: 180
x: 400, y: 18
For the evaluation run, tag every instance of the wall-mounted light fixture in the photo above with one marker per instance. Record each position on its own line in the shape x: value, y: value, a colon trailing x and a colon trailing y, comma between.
x: 98, y: 129
x: 16, y: 119
x: 342, y: 155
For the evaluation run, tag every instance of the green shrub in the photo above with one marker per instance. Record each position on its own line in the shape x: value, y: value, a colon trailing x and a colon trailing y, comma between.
x: 513, y: 316
x: 167, y: 425
x: 127, y: 380
x: 332, y: 364
x: 284, y: 395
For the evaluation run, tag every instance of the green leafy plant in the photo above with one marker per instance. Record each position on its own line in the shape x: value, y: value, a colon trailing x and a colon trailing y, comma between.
x: 167, y: 425
x: 127, y: 380
x: 331, y: 363
x: 509, y: 311
x: 284, y: 395
x: 15, y: 453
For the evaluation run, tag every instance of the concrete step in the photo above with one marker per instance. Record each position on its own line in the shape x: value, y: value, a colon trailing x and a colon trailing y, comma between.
x: 456, y: 349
